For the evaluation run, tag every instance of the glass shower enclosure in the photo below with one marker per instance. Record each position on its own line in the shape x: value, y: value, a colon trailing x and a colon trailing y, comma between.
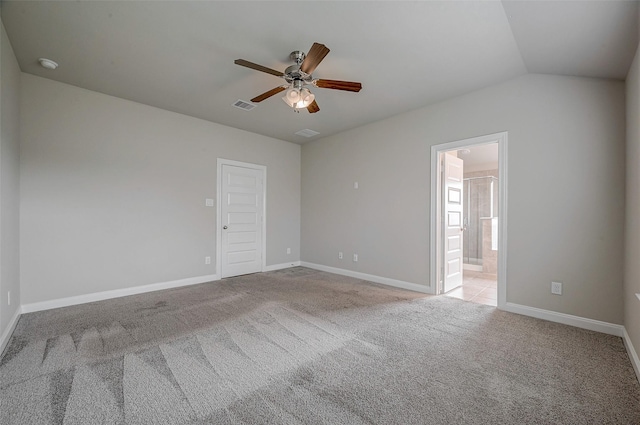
x: 481, y: 198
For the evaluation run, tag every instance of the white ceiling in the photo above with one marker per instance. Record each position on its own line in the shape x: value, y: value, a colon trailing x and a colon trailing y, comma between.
x: 479, y: 157
x: 179, y: 55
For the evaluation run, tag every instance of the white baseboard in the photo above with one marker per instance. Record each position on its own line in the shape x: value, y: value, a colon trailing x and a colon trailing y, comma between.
x: 566, y: 319
x: 372, y: 278
x: 580, y: 322
x: 281, y: 266
x: 633, y: 355
x: 6, y: 335
x: 552, y: 316
x: 116, y: 293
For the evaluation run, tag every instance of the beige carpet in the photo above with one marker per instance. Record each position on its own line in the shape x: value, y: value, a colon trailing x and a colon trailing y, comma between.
x: 299, y: 346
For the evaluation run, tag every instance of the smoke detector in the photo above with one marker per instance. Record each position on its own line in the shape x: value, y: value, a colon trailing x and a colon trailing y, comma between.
x: 47, y: 63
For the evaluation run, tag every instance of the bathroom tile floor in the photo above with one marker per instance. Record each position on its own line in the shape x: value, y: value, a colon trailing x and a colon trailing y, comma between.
x: 477, y: 287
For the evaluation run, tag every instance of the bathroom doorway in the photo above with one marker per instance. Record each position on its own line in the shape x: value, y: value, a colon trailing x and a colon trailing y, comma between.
x: 480, y: 223
x: 469, y: 226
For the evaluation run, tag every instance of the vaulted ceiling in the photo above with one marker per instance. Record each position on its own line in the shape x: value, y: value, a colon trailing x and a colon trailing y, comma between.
x: 179, y: 55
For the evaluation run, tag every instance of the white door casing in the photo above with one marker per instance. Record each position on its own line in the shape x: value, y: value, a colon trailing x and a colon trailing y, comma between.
x: 452, y: 221
x: 436, y: 245
x: 241, y: 191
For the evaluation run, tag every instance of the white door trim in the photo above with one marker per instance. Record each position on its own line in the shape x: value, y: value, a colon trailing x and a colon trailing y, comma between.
x: 436, y: 150
x: 263, y: 168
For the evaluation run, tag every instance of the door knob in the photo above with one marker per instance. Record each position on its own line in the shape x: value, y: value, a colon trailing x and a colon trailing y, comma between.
x: 225, y: 227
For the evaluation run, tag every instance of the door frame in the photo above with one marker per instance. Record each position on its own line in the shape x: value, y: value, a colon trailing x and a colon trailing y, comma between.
x: 263, y: 169
x: 435, y: 256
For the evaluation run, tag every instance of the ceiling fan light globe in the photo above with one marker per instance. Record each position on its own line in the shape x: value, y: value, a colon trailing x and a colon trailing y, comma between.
x: 307, y: 97
x: 293, y: 95
x: 288, y: 102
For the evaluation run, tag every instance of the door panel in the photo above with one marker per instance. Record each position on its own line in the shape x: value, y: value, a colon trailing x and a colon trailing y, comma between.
x: 241, y: 217
x: 241, y: 257
x: 455, y: 197
x: 242, y: 237
x: 453, y: 219
x: 241, y: 220
x: 454, y: 243
x: 243, y: 199
x: 453, y: 267
x: 453, y: 208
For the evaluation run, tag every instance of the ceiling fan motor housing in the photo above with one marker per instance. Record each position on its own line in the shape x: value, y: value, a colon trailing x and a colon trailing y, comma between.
x: 294, y: 73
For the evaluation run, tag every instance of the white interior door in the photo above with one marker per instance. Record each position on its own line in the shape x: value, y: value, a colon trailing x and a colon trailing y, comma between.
x: 452, y: 221
x: 241, y: 220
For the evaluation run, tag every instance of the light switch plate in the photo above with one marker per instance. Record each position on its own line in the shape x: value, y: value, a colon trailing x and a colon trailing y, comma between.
x: 208, y: 202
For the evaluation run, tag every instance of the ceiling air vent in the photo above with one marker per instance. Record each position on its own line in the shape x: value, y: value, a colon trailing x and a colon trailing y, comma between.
x: 307, y: 133
x: 244, y: 105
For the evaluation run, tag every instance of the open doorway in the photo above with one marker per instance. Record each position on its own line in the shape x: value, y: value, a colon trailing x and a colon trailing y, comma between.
x: 469, y: 219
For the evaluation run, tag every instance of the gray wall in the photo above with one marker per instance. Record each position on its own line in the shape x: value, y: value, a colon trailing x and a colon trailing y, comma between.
x: 632, y: 216
x: 565, y: 194
x: 113, y: 192
x: 9, y: 182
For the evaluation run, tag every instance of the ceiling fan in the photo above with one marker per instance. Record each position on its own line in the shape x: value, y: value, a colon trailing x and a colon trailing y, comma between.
x: 298, y: 76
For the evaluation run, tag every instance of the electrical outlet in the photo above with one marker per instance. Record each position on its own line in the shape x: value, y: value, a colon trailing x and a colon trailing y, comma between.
x: 556, y: 288
x: 288, y: 250
x: 8, y: 297
x: 207, y: 260
x: 355, y: 185
x: 355, y: 258
x: 340, y: 256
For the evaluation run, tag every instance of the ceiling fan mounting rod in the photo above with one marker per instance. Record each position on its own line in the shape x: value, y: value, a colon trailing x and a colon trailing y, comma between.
x: 297, y: 56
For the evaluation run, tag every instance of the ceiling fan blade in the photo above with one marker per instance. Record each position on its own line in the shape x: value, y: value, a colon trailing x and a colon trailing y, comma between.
x: 257, y: 67
x: 338, y: 85
x: 268, y: 94
x: 313, y: 108
x: 317, y: 52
